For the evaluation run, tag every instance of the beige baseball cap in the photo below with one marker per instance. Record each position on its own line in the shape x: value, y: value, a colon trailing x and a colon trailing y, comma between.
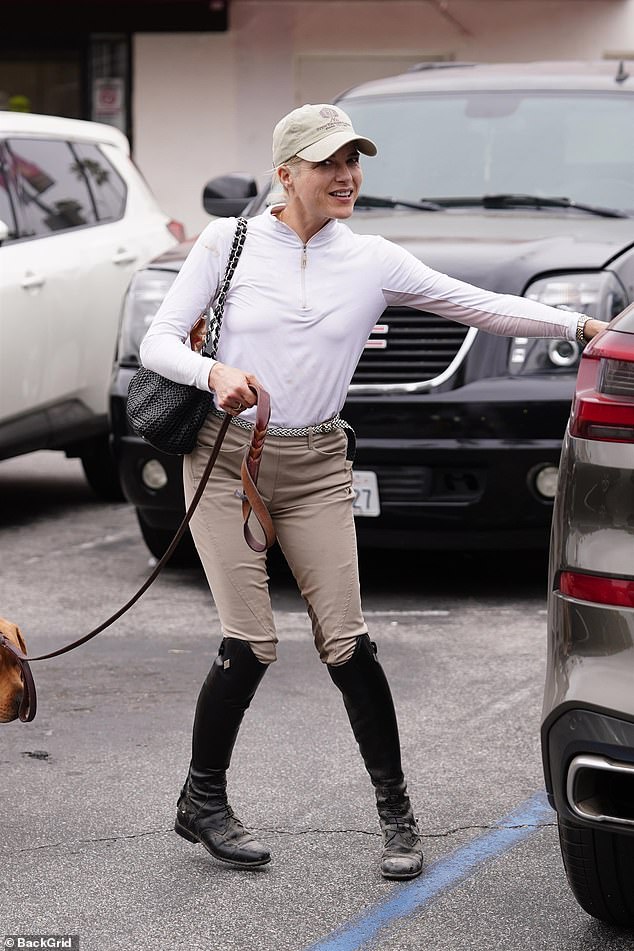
x: 315, y: 132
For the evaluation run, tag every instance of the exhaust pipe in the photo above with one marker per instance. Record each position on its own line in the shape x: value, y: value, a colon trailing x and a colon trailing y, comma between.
x: 601, y: 790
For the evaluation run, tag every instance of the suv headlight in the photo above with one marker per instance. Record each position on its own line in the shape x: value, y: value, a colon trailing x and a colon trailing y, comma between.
x: 597, y: 294
x: 144, y: 297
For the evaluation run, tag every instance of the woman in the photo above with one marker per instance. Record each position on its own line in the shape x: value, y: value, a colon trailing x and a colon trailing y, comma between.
x: 304, y: 298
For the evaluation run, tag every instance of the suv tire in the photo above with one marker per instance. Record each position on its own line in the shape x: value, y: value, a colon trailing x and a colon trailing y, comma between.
x: 101, y: 470
x: 600, y: 869
x: 158, y: 541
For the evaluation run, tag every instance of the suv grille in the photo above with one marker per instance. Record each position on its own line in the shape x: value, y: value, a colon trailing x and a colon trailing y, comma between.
x: 409, y: 346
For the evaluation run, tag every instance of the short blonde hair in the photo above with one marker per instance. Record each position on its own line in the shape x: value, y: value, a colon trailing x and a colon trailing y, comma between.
x: 278, y: 191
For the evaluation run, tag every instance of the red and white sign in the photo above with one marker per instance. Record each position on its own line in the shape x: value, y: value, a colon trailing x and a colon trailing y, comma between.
x: 109, y: 101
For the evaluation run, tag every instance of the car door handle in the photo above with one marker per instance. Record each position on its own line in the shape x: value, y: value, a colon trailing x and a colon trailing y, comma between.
x: 124, y: 256
x: 30, y: 281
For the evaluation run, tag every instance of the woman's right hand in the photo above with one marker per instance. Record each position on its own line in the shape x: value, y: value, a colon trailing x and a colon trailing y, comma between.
x: 231, y: 387
x: 592, y: 327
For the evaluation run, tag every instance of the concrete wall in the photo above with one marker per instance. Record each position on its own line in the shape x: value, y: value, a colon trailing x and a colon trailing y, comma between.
x: 205, y: 104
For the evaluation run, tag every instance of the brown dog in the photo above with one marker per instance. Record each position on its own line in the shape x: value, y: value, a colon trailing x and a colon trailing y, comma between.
x: 11, y: 686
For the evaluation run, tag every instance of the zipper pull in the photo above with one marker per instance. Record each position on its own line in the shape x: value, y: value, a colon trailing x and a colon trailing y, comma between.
x: 302, y: 271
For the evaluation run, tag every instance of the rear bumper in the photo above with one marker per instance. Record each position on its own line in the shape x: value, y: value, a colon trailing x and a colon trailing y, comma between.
x: 573, y: 734
x: 588, y: 702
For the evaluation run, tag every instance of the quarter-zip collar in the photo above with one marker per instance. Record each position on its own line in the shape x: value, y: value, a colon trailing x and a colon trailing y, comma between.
x: 324, y: 236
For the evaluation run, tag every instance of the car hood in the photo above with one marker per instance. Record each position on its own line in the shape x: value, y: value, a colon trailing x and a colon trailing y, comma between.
x: 502, y: 251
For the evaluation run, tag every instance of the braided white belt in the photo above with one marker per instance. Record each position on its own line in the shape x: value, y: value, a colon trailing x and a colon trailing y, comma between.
x: 328, y: 426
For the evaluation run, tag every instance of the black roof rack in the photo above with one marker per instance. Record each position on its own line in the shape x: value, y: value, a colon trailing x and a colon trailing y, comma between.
x: 438, y: 64
x: 622, y: 74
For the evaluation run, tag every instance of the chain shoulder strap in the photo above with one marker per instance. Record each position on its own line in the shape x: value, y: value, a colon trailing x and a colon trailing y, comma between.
x: 215, y: 311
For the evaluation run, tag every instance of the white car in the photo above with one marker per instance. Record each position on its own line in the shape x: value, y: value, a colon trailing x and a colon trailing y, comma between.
x: 76, y: 220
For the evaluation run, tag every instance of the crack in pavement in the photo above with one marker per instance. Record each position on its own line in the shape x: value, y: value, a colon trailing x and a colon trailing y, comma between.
x: 69, y: 847
x: 424, y: 835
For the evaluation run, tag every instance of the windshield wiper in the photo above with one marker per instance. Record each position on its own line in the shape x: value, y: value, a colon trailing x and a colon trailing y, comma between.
x: 377, y: 201
x: 511, y: 200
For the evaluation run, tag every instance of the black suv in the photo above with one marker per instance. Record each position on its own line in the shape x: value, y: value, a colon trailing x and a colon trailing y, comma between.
x: 518, y: 178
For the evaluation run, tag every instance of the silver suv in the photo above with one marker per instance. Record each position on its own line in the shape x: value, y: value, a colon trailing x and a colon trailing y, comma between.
x: 588, y: 717
x: 76, y: 220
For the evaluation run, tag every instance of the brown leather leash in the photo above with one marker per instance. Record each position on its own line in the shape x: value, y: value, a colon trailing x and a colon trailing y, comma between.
x: 251, y: 502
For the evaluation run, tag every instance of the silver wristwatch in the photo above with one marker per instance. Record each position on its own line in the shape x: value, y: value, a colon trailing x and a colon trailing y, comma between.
x: 581, y: 326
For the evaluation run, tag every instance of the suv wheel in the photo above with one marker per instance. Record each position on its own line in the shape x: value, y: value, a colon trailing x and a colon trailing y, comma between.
x: 100, y: 469
x: 600, y: 868
x: 158, y: 541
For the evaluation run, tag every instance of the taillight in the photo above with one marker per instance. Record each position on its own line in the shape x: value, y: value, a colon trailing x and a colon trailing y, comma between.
x: 597, y: 588
x: 177, y: 229
x: 603, y: 407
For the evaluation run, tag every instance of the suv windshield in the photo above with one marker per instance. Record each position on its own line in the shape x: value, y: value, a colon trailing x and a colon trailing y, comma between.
x: 466, y: 145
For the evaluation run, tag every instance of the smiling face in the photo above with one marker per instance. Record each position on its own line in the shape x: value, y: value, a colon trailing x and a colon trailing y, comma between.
x: 318, y: 191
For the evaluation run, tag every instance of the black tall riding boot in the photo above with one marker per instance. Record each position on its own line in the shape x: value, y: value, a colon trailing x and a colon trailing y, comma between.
x: 368, y: 701
x: 203, y: 813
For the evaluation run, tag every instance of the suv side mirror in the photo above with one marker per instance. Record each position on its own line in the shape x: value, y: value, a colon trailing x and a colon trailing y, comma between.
x: 228, y: 195
x: 4, y: 231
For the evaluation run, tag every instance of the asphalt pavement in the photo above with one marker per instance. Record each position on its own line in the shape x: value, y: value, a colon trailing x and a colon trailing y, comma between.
x: 89, y: 787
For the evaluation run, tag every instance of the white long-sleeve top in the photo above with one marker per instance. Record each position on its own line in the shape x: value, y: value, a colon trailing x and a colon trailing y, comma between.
x: 298, y: 316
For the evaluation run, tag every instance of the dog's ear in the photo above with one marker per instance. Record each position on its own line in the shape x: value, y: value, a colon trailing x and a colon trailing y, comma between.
x: 12, y: 631
x: 20, y: 639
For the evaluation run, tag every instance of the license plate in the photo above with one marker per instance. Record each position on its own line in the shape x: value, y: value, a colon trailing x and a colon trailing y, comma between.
x: 366, y: 493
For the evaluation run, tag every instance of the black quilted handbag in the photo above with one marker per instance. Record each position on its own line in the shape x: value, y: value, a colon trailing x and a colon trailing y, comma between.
x: 169, y: 415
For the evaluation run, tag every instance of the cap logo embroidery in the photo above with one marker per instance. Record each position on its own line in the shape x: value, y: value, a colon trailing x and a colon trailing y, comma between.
x: 328, y: 113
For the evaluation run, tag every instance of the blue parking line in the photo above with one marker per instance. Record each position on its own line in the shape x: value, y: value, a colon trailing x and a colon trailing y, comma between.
x: 441, y: 876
